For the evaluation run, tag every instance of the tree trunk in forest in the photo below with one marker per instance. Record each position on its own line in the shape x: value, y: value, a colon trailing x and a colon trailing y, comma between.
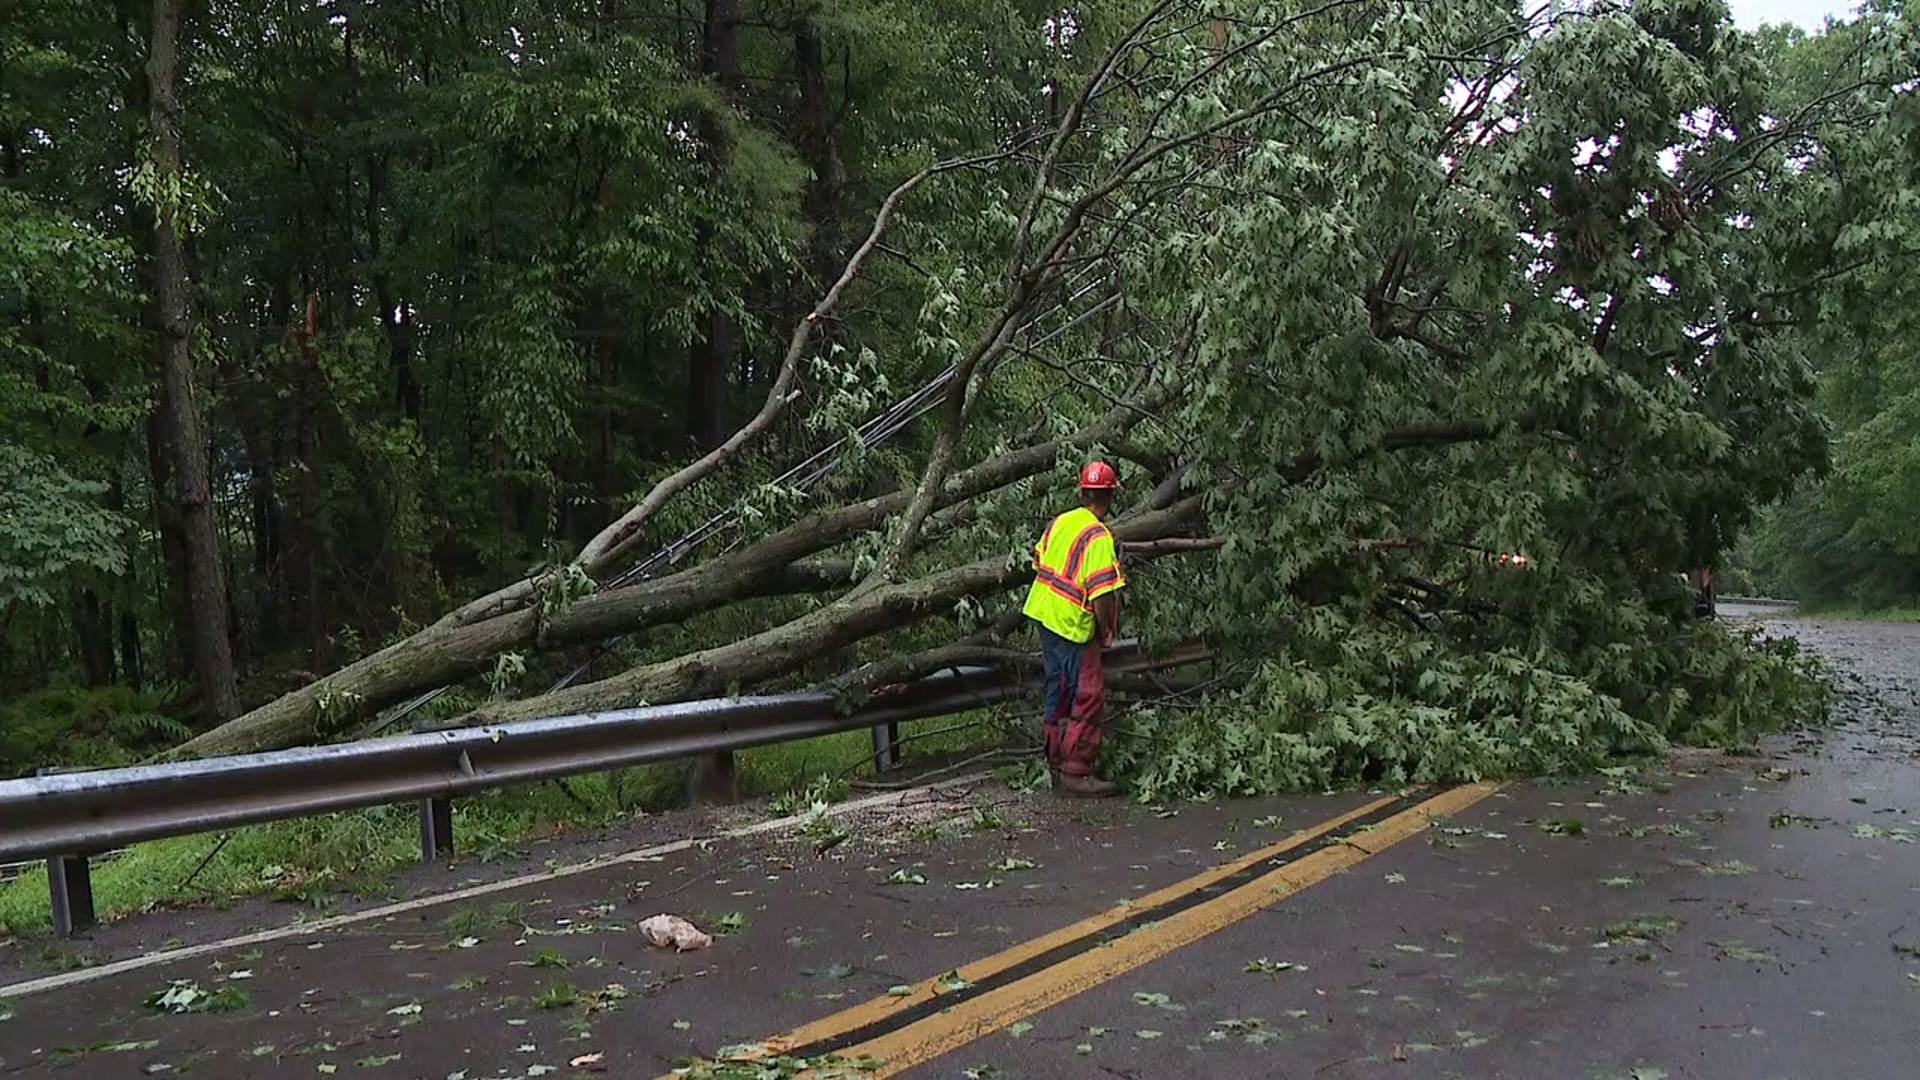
x: 173, y: 550
x: 93, y: 637
x: 308, y: 622
x: 255, y: 425
x: 395, y: 321
x: 708, y: 363
x: 203, y: 583
x: 818, y: 148
x: 132, y: 670
x: 710, y: 359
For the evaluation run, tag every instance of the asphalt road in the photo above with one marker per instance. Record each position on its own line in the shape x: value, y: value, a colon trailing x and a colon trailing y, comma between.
x: 1716, y: 917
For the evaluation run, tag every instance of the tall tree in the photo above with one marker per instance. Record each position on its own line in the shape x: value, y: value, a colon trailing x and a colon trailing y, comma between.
x: 201, y: 578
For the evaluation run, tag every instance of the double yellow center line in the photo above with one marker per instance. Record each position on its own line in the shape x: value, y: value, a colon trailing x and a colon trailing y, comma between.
x: 942, y: 1014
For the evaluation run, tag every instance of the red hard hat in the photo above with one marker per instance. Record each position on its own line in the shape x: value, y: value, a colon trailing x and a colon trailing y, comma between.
x: 1098, y: 476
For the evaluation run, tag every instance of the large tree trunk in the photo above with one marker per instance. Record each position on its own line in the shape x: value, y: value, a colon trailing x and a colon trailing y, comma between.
x: 203, y: 581
x: 177, y: 663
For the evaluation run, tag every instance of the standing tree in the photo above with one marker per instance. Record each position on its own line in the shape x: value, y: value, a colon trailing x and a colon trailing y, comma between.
x: 176, y: 205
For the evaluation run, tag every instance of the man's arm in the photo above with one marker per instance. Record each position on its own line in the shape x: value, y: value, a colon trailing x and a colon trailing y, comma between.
x: 1106, y: 618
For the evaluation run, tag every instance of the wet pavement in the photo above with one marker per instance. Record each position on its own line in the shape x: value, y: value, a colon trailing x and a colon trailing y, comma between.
x: 1738, y: 917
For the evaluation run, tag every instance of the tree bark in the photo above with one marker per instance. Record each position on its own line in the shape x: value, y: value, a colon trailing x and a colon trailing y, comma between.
x: 203, y: 582
x: 173, y: 553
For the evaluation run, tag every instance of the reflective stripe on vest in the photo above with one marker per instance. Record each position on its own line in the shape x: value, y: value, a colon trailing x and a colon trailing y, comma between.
x: 1063, y: 583
x: 1079, y: 551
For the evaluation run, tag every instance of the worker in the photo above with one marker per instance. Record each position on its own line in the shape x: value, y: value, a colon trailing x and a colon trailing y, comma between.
x: 1076, y: 600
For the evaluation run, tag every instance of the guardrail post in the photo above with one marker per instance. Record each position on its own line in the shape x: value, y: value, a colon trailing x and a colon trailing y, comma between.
x: 436, y: 818
x: 69, y: 884
x: 436, y: 828
x: 886, y: 746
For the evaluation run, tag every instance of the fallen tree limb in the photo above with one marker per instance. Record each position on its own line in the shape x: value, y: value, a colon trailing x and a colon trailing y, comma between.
x: 1173, y: 545
x: 442, y: 656
x: 975, y: 648
x: 787, y: 648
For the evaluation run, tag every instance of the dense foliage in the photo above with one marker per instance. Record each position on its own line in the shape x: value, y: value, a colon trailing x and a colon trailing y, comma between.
x: 1849, y: 539
x: 1362, y: 295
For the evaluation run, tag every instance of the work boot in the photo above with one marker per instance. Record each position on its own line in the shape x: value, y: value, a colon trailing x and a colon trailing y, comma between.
x: 1087, y: 787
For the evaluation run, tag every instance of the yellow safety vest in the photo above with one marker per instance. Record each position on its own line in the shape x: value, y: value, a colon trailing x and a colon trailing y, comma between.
x: 1074, y: 564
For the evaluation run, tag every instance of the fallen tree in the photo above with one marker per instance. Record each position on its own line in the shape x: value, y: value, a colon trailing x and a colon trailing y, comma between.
x: 1370, y: 285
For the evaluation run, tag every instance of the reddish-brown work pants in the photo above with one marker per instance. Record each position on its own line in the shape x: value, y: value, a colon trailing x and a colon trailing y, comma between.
x: 1076, y: 708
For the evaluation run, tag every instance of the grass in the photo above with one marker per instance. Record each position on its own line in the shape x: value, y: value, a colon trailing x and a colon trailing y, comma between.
x: 1849, y: 613
x: 313, y: 860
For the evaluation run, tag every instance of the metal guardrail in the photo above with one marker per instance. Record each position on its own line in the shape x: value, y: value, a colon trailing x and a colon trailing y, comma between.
x: 66, y: 818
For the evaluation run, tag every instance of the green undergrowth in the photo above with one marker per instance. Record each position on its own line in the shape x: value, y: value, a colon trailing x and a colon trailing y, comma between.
x: 95, y: 728
x: 1376, y: 705
x: 1857, y: 614
x: 315, y: 862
